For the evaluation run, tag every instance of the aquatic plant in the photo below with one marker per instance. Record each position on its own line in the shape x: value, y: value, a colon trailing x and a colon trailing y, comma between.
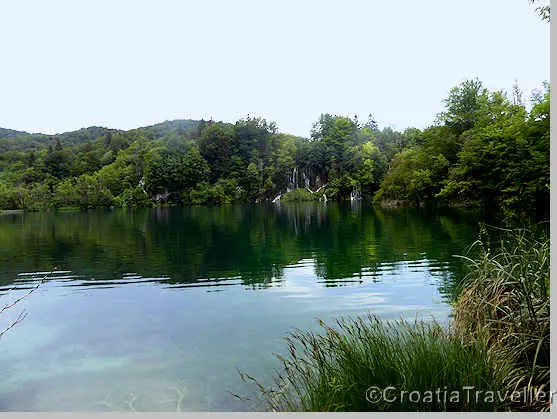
x: 504, y: 300
x: 340, y: 368
x: 498, y: 343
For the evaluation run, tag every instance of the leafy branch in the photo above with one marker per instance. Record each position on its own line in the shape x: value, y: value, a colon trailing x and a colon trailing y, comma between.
x: 543, y: 11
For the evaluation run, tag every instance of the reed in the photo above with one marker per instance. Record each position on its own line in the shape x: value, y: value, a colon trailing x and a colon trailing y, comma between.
x: 332, y: 370
x: 498, y: 341
x: 504, y: 301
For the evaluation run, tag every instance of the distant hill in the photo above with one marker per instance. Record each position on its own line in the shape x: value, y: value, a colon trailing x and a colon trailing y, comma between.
x: 12, y: 140
x: 11, y: 133
x: 176, y: 126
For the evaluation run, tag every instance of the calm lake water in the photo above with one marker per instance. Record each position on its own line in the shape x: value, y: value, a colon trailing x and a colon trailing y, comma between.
x: 158, y: 309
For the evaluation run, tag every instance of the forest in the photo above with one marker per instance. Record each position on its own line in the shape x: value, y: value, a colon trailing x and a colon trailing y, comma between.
x: 486, y: 149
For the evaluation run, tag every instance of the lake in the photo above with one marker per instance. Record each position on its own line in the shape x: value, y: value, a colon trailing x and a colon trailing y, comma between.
x: 158, y: 309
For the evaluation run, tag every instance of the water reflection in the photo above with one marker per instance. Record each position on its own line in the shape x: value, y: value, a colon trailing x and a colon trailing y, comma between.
x: 158, y: 309
x: 230, y: 245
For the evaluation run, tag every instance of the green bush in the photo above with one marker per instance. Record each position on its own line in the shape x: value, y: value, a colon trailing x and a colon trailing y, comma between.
x: 300, y: 195
x: 222, y: 192
x: 339, y: 188
x: 134, y: 198
x: 9, y: 198
x: 85, y: 192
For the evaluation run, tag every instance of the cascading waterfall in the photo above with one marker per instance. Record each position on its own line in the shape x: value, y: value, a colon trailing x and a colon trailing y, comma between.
x: 141, y: 184
x: 302, y: 178
x: 305, y: 179
x: 355, y: 195
x: 292, y: 183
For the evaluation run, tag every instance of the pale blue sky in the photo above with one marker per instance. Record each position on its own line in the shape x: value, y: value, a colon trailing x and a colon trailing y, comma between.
x: 123, y: 64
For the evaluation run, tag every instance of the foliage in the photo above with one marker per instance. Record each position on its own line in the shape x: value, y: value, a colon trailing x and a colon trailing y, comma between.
x: 486, y: 151
x: 222, y: 192
x: 498, y: 342
x: 84, y: 192
x: 134, y: 198
x: 483, y: 151
x: 544, y: 11
x: 505, y: 302
x: 301, y: 195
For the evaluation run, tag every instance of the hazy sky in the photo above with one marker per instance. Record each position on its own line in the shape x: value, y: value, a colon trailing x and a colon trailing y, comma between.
x: 123, y: 64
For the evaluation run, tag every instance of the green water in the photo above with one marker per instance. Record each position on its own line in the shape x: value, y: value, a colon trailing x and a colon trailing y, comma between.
x: 158, y: 309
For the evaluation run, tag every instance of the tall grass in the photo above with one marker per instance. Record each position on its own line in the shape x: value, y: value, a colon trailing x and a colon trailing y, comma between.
x: 504, y: 301
x: 332, y: 370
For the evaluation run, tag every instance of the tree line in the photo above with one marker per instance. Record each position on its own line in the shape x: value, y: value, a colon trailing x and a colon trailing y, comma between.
x: 485, y: 149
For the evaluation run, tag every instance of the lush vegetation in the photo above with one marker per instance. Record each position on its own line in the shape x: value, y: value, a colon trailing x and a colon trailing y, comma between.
x: 485, y: 150
x: 504, y: 302
x: 339, y: 369
x: 498, y: 345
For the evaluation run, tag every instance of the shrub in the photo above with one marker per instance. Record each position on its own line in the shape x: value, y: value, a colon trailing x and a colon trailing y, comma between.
x: 300, y: 195
x: 222, y: 192
x: 134, y: 198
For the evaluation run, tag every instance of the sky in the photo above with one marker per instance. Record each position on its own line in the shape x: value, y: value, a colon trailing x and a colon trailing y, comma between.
x: 124, y: 64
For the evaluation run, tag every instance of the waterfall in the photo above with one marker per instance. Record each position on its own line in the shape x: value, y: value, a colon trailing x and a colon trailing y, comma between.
x: 300, y: 178
x: 305, y: 180
x: 321, y: 187
x: 355, y: 195
x: 292, y: 182
x: 141, y: 184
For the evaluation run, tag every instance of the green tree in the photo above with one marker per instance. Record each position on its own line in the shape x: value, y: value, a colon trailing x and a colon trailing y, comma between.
x: 195, y: 168
x: 58, y: 161
x: 216, y: 145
